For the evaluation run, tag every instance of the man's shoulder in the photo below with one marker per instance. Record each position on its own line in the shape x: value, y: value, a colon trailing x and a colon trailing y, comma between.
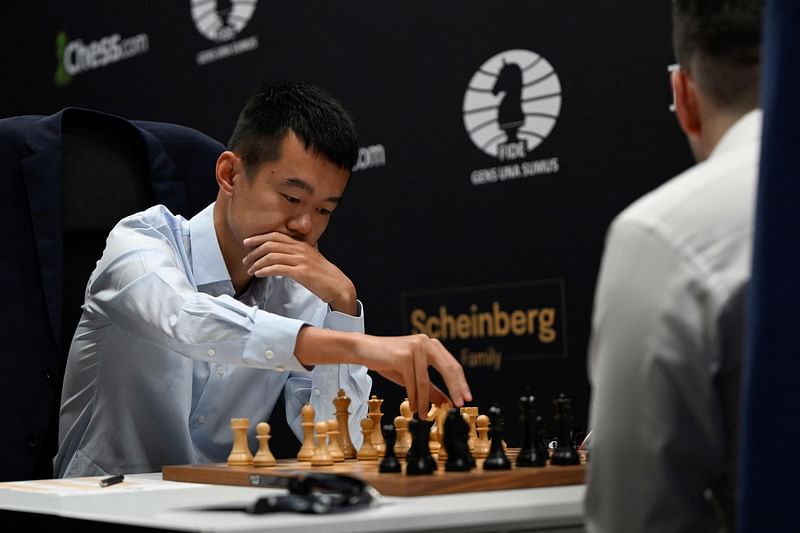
x: 717, y: 192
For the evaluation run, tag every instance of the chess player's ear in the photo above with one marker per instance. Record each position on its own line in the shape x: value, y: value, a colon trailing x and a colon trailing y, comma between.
x: 688, y: 109
x: 229, y: 166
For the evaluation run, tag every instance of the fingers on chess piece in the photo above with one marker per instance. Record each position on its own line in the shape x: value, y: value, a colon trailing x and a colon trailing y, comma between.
x: 530, y: 454
x: 389, y: 464
x: 374, y: 413
x: 565, y: 454
x: 419, y: 460
x: 456, y: 433
x: 401, y: 429
x: 307, y: 449
x: 496, y: 460
x: 240, y: 452
x: 342, y: 404
x: 367, y: 451
x: 264, y: 455
x: 333, y: 441
x: 322, y: 456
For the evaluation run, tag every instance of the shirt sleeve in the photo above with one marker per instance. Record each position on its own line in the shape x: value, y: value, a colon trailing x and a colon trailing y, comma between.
x: 321, y: 385
x: 655, y: 439
x: 141, y: 286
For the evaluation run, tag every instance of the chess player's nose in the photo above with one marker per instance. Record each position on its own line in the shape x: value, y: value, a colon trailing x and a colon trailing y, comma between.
x: 300, y: 224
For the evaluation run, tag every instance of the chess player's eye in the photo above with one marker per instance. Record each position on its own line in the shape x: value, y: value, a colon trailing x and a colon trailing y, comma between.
x: 291, y: 199
x: 324, y: 211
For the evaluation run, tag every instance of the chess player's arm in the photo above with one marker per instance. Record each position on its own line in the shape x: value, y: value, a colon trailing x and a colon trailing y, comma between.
x: 405, y: 360
x: 321, y: 385
x: 140, y: 285
x: 654, y: 446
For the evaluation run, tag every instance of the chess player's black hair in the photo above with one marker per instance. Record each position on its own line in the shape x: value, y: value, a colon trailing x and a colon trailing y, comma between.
x: 719, y: 43
x: 313, y: 115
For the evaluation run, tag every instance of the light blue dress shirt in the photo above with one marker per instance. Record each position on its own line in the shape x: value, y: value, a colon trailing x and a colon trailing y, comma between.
x: 164, y: 355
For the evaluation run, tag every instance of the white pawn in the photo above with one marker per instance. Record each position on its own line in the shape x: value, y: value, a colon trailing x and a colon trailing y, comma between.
x: 333, y: 441
x: 264, y: 455
x: 322, y: 456
x: 307, y: 449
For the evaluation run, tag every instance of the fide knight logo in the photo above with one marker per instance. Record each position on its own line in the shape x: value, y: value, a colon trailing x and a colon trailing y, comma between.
x: 512, y: 104
x: 221, y: 20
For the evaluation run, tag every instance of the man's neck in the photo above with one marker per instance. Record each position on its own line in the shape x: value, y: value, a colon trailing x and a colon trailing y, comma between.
x: 232, y: 251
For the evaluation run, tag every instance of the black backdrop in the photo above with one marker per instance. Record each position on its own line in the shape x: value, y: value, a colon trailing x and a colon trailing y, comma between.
x: 414, y: 231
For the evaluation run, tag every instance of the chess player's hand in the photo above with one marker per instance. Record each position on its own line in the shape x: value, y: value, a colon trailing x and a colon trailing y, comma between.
x: 276, y: 254
x: 405, y: 360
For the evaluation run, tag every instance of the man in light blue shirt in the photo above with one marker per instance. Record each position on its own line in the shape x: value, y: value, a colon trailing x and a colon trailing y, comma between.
x: 188, y: 323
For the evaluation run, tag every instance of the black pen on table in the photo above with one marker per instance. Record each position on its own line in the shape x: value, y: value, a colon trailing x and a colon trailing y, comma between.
x: 111, y: 480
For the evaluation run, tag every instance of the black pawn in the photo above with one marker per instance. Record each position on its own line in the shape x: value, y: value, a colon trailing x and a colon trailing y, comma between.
x: 419, y: 461
x: 496, y: 460
x: 565, y: 454
x: 530, y: 454
x: 456, y: 434
x: 389, y: 464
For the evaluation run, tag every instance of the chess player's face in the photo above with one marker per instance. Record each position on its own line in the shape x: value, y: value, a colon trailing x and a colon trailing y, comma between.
x: 294, y: 195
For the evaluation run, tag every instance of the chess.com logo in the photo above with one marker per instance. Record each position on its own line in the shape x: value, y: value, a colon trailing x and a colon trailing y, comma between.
x: 512, y: 104
x: 221, y: 21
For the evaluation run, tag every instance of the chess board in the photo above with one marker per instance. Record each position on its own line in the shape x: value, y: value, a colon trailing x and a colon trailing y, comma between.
x: 440, y: 482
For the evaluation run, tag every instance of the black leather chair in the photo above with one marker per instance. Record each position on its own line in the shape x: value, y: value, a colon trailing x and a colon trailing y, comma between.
x: 65, y: 180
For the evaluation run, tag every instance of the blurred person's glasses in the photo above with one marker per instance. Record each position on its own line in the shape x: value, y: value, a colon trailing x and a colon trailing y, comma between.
x: 672, y: 68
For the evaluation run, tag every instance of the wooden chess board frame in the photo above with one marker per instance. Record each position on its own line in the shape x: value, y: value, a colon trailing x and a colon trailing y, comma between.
x: 440, y: 482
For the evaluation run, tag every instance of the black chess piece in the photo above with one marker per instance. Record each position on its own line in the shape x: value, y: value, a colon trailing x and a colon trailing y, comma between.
x: 419, y: 460
x: 389, y: 464
x: 538, y: 443
x: 496, y: 460
x: 530, y: 454
x: 565, y: 454
x: 456, y: 434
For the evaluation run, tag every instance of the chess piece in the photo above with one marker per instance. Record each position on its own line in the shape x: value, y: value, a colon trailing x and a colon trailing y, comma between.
x: 321, y: 457
x: 565, y: 454
x: 240, y: 452
x: 435, y: 438
x: 482, y: 444
x: 375, y: 414
x: 529, y: 453
x: 367, y: 451
x: 419, y: 460
x: 496, y: 460
x: 342, y: 403
x: 307, y: 449
x: 263, y: 456
x: 456, y: 432
x: 471, y: 414
x: 333, y: 441
x: 389, y: 464
x: 401, y: 429
x: 405, y: 412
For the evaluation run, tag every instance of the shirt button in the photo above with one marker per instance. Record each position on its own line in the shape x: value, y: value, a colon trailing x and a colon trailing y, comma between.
x: 173, y: 319
x: 221, y: 370
x: 268, y: 354
x: 201, y: 419
x: 317, y: 392
x: 211, y: 352
x: 279, y: 368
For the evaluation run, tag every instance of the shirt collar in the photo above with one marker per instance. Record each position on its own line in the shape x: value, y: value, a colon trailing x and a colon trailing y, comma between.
x: 743, y: 131
x: 208, y: 264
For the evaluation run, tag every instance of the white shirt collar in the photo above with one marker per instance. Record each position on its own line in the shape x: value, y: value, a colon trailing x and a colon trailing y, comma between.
x: 208, y: 264
x: 742, y: 132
